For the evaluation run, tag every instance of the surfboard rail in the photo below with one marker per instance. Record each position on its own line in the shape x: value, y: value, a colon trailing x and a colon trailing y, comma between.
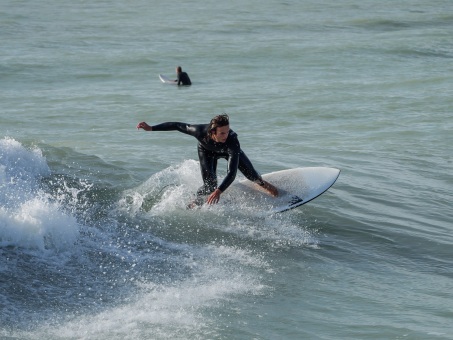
x: 296, y: 187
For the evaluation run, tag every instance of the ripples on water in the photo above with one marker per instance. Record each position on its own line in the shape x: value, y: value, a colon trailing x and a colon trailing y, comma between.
x: 94, y: 238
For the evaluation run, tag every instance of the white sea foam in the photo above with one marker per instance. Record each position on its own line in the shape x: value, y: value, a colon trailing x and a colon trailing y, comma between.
x: 28, y: 217
x: 167, y: 190
x: 177, y: 310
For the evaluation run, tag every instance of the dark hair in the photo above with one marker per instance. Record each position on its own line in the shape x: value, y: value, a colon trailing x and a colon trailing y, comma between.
x: 179, y: 69
x: 218, y: 121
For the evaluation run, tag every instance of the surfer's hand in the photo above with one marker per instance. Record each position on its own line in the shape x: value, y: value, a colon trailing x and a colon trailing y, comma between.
x: 269, y: 188
x: 144, y: 126
x: 214, y: 197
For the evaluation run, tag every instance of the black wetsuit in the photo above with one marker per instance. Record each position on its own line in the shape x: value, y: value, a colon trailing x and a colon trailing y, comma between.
x: 210, y: 151
x: 183, y: 79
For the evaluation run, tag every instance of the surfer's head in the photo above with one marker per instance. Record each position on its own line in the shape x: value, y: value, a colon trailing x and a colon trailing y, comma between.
x: 178, y: 69
x: 219, y: 127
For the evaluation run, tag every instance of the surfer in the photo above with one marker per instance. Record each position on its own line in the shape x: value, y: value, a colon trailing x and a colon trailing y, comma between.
x: 216, y: 140
x: 183, y: 77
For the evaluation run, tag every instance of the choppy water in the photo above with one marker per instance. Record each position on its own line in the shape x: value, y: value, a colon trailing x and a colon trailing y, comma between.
x: 95, y: 242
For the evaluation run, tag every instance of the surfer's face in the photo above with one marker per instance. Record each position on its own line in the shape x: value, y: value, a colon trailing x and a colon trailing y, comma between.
x: 221, y: 134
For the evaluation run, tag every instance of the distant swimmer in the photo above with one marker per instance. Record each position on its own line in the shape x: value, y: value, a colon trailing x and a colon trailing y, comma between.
x: 183, y: 77
x: 216, y: 140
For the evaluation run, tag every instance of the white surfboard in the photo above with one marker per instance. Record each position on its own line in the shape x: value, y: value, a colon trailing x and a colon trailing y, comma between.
x: 167, y: 80
x: 296, y: 187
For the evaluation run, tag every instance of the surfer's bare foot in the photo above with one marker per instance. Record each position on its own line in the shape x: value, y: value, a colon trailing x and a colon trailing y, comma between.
x: 192, y: 205
x: 269, y: 188
x: 196, y: 203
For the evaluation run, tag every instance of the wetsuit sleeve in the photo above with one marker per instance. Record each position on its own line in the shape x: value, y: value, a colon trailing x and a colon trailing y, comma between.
x: 233, y: 163
x: 193, y: 130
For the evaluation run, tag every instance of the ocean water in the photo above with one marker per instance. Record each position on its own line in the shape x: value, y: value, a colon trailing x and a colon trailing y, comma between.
x: 95, y: 242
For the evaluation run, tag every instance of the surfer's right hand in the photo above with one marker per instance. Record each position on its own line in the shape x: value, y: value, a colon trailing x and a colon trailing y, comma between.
x: 214, y: 197
x: 144, y: 126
